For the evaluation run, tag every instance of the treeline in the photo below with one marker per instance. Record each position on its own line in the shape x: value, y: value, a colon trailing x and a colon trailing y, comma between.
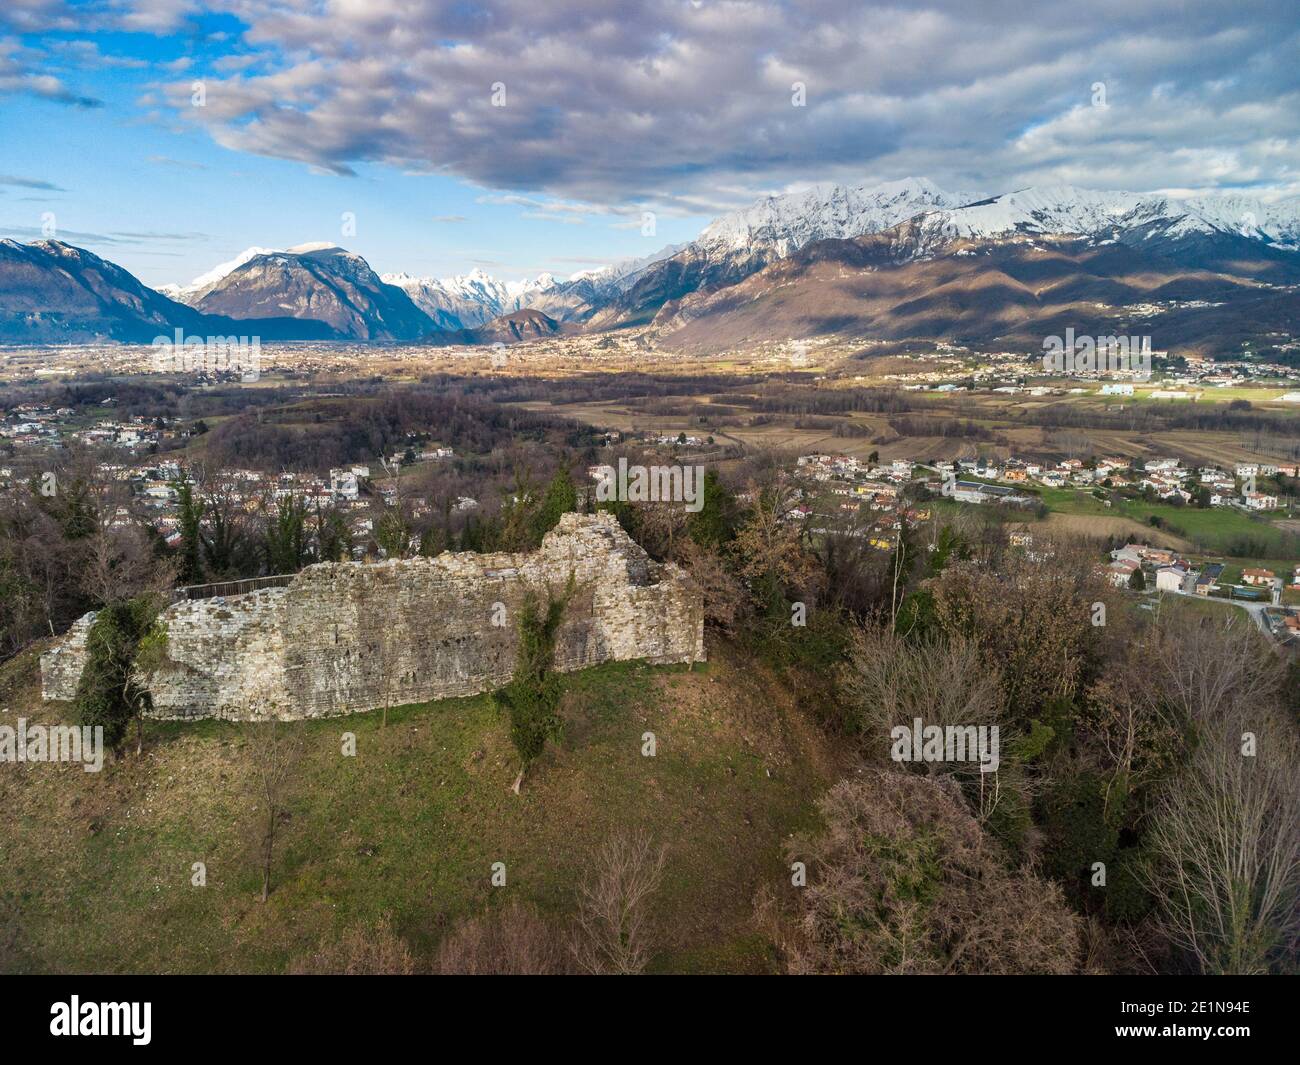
x: 1082, y: 849
x: 1149, y: 418
x: 319, y: 434
x: 945, y: 427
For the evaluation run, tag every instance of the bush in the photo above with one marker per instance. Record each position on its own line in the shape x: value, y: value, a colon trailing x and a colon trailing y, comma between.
x: 532, y: 698
x: 1078, y: 833
x: 904, y: 881
x: 107, y: 694
x: 515, y: 941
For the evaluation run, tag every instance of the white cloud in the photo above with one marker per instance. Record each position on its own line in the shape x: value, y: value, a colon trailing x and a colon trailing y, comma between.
x: 684, y: 108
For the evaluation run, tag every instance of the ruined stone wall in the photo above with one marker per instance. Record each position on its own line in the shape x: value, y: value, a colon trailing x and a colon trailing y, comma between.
x: 61, y: 666
x: 345, y: 637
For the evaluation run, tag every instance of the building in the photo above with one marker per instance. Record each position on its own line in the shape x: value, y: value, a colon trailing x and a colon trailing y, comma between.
x: 1170, y: 578
x: 1208, y: 580
x: 975, y: 492
x: 1121, y: 572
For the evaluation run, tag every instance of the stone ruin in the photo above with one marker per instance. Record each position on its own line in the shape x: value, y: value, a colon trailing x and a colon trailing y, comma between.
x: 345, y: 637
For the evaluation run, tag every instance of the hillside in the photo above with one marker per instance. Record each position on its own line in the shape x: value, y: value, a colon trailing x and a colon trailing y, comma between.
x: 320, y: 283
x: 979, y: 291
x: 99, y: 865
x: 52, y: 292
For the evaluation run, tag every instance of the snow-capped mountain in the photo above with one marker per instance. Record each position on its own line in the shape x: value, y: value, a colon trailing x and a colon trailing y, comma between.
x: 781, y: 224
x: 1124, y: 216
x: 742, y: 242
x: 1228, y: 233
x: 196, y: 289
x: 321, y: 283
x: 456, y: 302
x: 473, y: 299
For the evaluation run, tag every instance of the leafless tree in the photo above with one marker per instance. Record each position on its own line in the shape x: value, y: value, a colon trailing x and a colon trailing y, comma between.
x: 903, y: 880
x: 1225, y: 835
x: 516, y: 940
x: 276, y: 752
x: 119, y: 564
x: 943, y: 681
x: 1206, y: 666
x: 725, y: 600
x: 612, y: 932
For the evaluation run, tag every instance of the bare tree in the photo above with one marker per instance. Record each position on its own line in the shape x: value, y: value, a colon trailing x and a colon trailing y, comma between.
x: 276, y: 752
x: 943, y: 681
x: 903, y: 880
x: 1207, y: 666
x: 1225, y: 835
x: 120, y: 564
x: 612, y: 933
x: 725, y: 599
x: 516, y: 941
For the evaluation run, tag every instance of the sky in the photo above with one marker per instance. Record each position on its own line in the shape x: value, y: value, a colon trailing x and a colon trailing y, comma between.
x: 522, y: 136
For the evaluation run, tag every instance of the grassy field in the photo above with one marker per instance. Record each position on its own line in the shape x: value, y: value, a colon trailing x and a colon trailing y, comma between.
x: 1211, y: 529
x: 95, y: 869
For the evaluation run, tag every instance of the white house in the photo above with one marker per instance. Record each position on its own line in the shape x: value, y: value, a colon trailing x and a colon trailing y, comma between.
x: 1170, y: 578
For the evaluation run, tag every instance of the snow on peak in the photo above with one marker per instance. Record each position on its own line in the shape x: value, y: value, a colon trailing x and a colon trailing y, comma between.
x: 217, y: 273
x: 1067, y: 209
x: 786, y: 223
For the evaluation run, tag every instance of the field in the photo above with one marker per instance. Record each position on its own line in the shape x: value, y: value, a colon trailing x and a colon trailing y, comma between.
x: 1213, y: 529
x: 97, y: 867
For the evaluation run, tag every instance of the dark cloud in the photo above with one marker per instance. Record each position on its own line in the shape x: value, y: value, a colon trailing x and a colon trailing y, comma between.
x: 690, y: 106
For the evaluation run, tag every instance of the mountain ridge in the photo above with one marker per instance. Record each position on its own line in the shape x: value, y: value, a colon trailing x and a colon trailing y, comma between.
x: 322, y: 291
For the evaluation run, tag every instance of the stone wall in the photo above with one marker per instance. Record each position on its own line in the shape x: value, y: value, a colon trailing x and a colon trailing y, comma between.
x: 345, y: 637
x: 61, y: 666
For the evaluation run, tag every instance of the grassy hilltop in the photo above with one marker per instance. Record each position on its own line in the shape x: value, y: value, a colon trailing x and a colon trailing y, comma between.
x: 95, y: 869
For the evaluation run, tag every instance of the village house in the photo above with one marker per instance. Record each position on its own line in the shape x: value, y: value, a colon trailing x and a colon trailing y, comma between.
x: 1171, y: 578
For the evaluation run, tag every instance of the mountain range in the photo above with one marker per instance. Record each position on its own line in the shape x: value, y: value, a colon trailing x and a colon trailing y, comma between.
x: 901, y: 259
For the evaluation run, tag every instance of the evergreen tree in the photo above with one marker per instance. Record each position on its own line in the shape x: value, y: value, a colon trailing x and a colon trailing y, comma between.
x: 287, y: 549
x: 432, y: 542
x: 716, y: 522
x: 191, y: 515
x: 393, y: 534
x: 333, y: 539
x: 560, y: 497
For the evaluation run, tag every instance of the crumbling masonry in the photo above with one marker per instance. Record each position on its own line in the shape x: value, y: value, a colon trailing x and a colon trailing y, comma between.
x: 346, y: 637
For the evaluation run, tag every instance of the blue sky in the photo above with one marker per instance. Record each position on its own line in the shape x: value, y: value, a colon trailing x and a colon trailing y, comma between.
x: 390, y: 110
x: 163, y: 199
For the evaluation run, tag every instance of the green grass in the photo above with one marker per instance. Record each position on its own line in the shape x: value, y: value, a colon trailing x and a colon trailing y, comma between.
x: 1210, y: 529
x: 96, y: 867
